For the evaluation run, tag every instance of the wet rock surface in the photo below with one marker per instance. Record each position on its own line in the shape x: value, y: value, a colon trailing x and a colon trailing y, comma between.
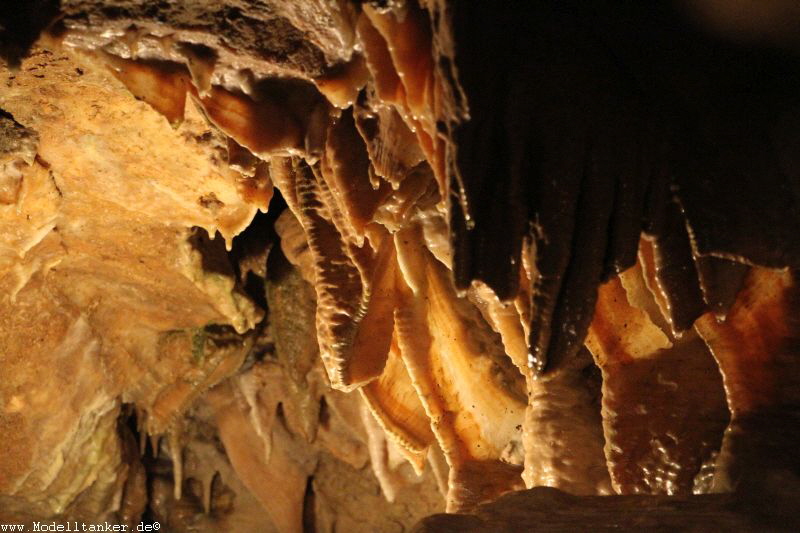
x: 273, y: 265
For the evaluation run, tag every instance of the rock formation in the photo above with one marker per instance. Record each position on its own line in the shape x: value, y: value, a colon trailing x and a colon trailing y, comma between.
x: 336, y: 265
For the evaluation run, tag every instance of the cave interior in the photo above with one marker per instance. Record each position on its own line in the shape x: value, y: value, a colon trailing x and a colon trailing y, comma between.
x: 400, y: 265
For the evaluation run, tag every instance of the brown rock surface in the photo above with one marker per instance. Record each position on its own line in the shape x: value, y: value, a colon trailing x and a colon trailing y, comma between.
x: 337, y: 265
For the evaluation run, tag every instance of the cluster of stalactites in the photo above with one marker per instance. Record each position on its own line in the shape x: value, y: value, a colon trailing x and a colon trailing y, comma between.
x: 359, y: 155
x: 364, y: 156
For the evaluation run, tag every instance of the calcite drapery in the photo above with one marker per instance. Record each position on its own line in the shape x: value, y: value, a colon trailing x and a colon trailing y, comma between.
x: 383, y: 134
